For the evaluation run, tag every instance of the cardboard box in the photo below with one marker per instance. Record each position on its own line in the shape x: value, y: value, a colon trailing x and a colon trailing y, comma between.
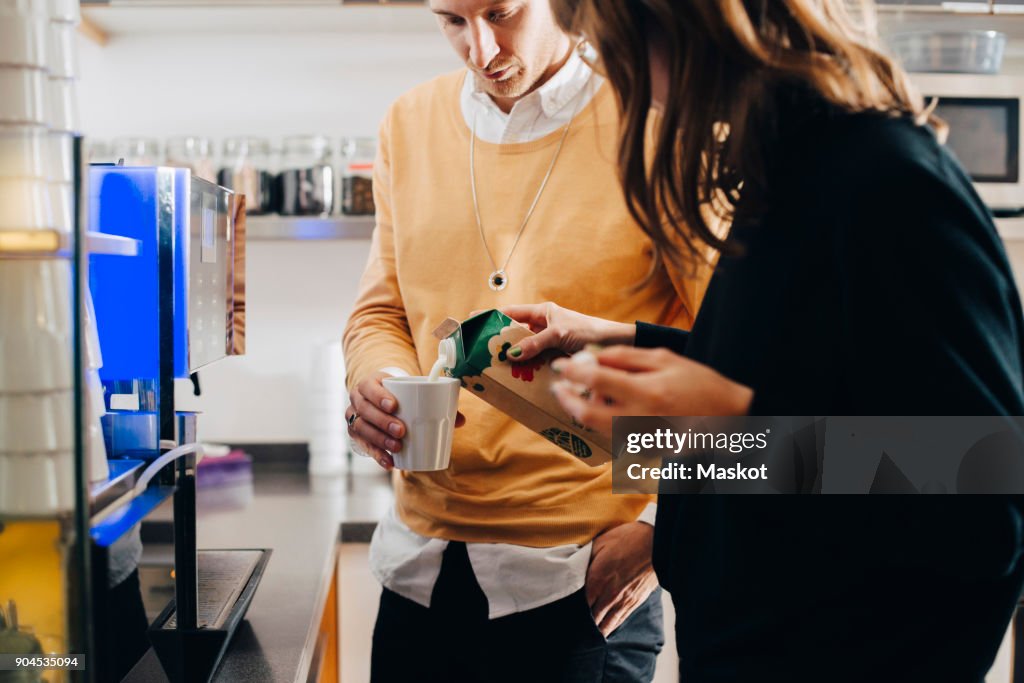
x: 520, y: 390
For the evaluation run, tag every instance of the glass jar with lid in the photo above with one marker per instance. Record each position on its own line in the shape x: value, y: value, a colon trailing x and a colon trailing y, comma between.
x: 306, y: 181
x: 246, y: 169
x: 136, y: 151
x: 192, y: 152
x: 99, y: 151
x: 358, y: 155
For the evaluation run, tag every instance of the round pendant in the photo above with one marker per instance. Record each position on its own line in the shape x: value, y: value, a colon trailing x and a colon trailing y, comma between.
x: 498, y: 280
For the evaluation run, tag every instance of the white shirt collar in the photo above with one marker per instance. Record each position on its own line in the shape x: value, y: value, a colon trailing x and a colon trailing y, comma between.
x: 551, y: 98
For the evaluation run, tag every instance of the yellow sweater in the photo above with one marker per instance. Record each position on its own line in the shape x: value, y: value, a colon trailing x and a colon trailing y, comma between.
x: 427, y: 262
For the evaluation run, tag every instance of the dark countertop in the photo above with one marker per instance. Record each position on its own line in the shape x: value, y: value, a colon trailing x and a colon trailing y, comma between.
x: 302, y: 520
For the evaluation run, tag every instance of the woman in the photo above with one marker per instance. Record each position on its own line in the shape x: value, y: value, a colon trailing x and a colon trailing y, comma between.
x: 861, y: 276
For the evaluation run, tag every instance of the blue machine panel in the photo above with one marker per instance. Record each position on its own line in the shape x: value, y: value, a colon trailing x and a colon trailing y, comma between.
x: 124, y: 201
x: 139, y: 202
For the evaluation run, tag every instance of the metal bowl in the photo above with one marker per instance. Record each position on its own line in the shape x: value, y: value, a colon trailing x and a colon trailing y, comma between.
x: 966, y: 52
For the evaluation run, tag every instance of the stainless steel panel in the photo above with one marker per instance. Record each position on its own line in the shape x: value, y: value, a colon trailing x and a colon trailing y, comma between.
x: 210, y: 261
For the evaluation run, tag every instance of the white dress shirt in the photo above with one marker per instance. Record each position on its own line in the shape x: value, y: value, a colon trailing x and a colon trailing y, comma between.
x: 513, y: 578
x: 540, y: 113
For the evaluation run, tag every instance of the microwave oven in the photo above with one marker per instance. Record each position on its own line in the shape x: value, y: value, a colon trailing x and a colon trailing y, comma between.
x: 985, y: 125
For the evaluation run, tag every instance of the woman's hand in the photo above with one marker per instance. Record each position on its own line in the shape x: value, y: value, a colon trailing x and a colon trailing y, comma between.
x: 631, y: 381
x: 555, y: 327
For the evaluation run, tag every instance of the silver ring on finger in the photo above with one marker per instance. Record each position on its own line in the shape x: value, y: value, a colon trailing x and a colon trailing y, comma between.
x: 352, y: 419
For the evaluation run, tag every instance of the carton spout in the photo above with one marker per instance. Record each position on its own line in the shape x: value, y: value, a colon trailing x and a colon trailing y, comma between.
x: 447, y: 353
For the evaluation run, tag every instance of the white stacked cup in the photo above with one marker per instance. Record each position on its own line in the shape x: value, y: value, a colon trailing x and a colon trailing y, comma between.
x: 24, y: 27
x: 328, y: 443
x: 24, y: 193
x: 36, y: 395
x: 36, y: 399
x: 96, y: 448
x: 62, y: 50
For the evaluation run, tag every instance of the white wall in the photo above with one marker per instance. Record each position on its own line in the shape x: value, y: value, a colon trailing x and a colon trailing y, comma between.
x: 299, y: 294
x: 217, y: 84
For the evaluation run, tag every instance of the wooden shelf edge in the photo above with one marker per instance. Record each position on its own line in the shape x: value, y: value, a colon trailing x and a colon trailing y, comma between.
x: 93, y: 31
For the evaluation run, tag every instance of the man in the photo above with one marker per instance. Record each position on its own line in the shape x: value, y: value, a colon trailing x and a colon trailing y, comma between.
x: 495, y: 185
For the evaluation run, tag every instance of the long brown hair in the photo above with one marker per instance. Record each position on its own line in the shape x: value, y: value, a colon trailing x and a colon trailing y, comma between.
x: 726, y: 61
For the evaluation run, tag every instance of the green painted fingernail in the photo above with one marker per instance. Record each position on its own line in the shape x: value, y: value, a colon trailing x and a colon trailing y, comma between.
x: 515, y: 352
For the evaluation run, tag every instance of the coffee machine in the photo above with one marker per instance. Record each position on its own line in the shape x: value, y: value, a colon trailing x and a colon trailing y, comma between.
x: 175, y: 307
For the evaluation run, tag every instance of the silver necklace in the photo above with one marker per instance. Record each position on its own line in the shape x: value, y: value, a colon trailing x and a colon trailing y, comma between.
x: 498, y: 279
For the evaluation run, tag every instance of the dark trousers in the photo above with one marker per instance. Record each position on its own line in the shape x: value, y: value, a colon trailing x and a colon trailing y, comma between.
x: 453, y: 641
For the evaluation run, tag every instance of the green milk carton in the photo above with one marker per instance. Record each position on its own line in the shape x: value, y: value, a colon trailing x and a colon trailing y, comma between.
x: 520, y: 390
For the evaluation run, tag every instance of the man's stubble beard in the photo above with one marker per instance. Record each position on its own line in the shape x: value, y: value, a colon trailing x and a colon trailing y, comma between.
x: 513, y: 87
x: 523, y: 82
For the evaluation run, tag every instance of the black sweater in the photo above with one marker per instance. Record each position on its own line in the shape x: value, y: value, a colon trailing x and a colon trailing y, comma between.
x: 875, y: 284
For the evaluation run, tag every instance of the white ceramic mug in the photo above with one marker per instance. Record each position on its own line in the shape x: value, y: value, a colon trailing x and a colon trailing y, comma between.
x: 326, y: 404
x: 328, y: 461
x: 62, y: 202
x: 39, y: 8
x: 28, y: 484
x: 63, y: 105
x: 428, y: 409
x: 23, y: 95
x: 36, y: 483
x: 23, y: 40
x: 24, y: 152
x: 37, y: 423
x: 35, y: 326
x: 60, y: 157
x: 63, y: 53
x: 67, y: 11
x: 25, y: 204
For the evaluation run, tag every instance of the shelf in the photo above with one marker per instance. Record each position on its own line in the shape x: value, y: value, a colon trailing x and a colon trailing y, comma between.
x: 1009, y: 20
x: 961, y: 7
x: 118, y: 19
x: 311, y: 228
x: 267, y: 228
